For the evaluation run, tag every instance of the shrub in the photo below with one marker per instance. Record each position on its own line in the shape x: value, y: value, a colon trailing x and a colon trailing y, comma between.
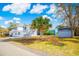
x: 49, y: 32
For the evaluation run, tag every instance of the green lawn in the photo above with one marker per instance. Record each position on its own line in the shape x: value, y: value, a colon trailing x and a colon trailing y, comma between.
x: 70, y: 47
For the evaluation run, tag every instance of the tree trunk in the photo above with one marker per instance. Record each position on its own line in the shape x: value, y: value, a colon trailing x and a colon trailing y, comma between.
x: 76, y: 32
x: 38, y: 32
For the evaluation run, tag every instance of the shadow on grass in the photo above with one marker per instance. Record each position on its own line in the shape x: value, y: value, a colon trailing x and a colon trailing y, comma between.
x: 23, y: 40
x: 74, y: 41
x: 32, y: 40
x: 76, y: 37
x: 55, y: 44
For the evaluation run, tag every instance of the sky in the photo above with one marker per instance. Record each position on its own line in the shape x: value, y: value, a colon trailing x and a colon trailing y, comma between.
x: 24, y: 13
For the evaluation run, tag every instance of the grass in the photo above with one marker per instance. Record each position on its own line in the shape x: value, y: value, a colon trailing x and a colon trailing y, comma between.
x: 70, y: 47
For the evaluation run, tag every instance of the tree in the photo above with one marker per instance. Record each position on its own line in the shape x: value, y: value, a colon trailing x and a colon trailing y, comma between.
x: 71, y: 19
x: 41, y: 24
x: 12, y: 26
x: 3, y: 31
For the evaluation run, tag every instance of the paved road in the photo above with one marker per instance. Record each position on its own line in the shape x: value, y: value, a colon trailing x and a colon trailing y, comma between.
x: 8, y: 49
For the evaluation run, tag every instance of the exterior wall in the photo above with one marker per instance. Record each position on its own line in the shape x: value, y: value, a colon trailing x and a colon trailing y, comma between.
x: 20, y: 32
x: 34, y: 33
x: 17, y: 34
x: 65, y: 33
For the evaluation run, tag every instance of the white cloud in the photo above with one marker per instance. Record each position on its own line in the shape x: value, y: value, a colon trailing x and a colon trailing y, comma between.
x: 52, y: 9
x: 18, y: 8
x: 18, y: 22
x: 13, y: 20
x: 38, y: 8
x: 1, y: 18
x: 7, y: 8
x: 3, y: 26
x: 16, y: 19
x: 45, y: 16
x: 8, y: 21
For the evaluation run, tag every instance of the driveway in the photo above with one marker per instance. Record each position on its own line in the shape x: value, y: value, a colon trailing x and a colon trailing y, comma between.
x: 8, y: 49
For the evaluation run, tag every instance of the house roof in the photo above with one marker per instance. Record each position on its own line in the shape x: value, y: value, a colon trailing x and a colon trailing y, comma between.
x: 64, y: 28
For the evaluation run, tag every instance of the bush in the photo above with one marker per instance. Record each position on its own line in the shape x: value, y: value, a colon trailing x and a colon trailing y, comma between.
x: 4, y: 35
x: 49, y: 32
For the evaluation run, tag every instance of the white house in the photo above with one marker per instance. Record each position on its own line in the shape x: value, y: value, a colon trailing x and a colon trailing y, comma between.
x: 21, y: 31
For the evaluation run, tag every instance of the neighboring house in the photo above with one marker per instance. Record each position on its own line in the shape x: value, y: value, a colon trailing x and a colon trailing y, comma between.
x: 65, y: 32
x: 21, y: 31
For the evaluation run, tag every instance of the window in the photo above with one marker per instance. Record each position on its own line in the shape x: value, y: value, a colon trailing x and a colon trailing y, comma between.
x: 15, y: 33
x: 18, y: 33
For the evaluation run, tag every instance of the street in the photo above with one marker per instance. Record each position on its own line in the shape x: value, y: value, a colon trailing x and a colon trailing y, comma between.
x: 8, y: 49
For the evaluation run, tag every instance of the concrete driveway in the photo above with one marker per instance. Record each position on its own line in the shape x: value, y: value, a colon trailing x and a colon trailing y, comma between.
x: 8, y: 49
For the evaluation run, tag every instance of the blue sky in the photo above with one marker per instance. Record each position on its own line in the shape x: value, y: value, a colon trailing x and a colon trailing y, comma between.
x: 25, y: 13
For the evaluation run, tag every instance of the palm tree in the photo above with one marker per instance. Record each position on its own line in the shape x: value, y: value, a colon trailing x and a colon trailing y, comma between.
x: 41, y: 24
